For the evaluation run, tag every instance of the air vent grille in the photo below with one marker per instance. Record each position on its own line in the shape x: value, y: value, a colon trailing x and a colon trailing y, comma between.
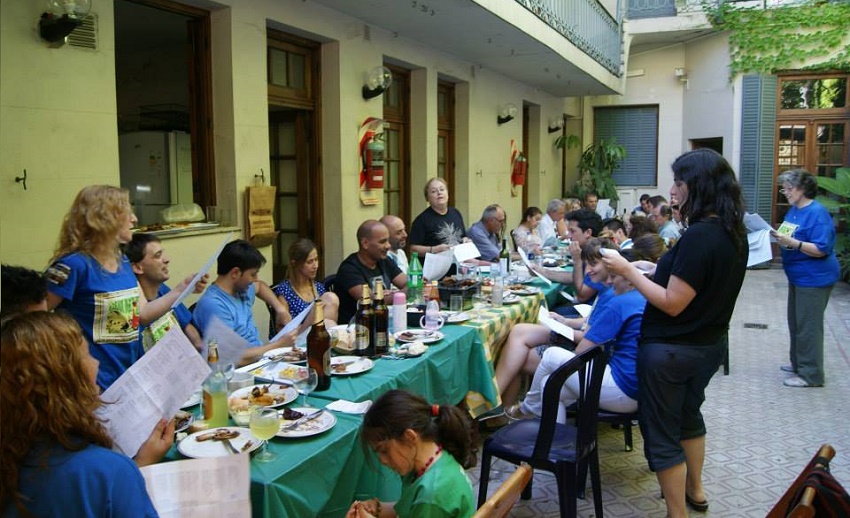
x: 85, y: 36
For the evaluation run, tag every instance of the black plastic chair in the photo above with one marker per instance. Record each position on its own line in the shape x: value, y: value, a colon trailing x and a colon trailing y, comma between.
x: 566, y: 450
x: 617, y: 420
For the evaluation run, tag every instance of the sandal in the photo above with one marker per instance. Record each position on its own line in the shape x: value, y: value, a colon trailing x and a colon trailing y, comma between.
x: 700, y: 507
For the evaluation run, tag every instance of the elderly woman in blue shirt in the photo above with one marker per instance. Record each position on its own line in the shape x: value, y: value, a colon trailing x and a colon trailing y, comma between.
x: 807, y: 240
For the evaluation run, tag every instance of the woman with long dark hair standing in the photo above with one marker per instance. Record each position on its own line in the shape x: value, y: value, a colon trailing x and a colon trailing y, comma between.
x: 684, y: 332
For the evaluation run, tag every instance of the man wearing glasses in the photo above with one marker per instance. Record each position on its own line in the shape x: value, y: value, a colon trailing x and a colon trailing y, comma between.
x: 486, y: 233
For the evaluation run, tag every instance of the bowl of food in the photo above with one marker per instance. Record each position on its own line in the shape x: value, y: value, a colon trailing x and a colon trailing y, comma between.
x: 342, y: 338
x: 466, y: 288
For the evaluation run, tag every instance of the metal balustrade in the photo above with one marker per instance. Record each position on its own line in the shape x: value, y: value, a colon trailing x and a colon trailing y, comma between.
x: 587, y: 25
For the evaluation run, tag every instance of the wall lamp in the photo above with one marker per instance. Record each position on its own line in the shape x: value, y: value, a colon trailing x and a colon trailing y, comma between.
x: 507, y: 113
x: 61, y: 17
x: 681, y: 74
x: 556, y: 124
x: 377, y: 81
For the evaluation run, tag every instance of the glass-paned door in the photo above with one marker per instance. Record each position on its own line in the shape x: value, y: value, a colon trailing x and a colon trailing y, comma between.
x: 396, y: 163
x: 445, y: 132
x: 393, y: 167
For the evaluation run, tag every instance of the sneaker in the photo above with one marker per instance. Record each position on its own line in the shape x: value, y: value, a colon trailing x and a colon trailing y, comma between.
x: 797, y: 381
x: 515, y: 413
x: 787, y: 368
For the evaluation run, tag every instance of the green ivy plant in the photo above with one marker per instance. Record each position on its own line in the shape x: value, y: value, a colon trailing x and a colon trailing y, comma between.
x: 765, y: 41
x: 838, y: 203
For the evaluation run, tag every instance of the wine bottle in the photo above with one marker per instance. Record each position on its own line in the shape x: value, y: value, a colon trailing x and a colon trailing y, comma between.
x: 319, y: 348
x: 379, y: 307
x: 364, y: 325
x: 215, y: 390
x: 505, y: 258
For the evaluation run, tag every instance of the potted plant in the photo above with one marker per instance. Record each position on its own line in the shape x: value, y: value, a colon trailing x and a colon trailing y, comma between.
x: 838, y: 203
x: 596, y: 166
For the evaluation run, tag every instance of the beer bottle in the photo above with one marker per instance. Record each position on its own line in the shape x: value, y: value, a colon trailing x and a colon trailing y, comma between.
x: 505, y: 258
x: 319, y: 348
x: 379, y: 307
x: 215, y: 391
x: 364, y: 323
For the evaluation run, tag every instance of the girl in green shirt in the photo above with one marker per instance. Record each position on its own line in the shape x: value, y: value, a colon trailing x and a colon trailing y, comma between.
x: 429, y: 446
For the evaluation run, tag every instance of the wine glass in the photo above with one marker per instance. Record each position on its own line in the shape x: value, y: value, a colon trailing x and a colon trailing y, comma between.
x: 478, y: 303
x: 306, y: 382
x: 264, y: 425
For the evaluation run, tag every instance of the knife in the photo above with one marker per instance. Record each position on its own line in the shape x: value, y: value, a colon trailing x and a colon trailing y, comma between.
x: 298, y: 422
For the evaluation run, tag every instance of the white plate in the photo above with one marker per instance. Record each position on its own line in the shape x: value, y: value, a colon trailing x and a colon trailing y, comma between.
x: 276, y: 371
x: 423, y: 335
x: 323, y: 423
x: 359, y: 364
x: 286, y: 350
x: 281, y: 394
x: 333, y: 331
x: 528, y: 290
x: 511, y: 299
x: 191, y: 447
x: 189, y: 419
x: 458, y: 318
x: 194, y: 399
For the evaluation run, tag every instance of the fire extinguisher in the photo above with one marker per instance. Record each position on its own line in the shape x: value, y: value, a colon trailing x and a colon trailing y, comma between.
x: 373, y: 163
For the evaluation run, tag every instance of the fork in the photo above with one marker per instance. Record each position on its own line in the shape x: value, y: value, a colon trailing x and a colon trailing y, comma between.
x: 230, y: 446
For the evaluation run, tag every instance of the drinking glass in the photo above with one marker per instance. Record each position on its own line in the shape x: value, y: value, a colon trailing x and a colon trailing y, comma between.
x: 456, y: 304
x: 305, y: 383
x: 264, y: 425
x: 478, y: 302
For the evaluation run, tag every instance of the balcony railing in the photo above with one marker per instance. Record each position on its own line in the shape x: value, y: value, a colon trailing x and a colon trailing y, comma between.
x: 587, y: 25
x: 659, y: 8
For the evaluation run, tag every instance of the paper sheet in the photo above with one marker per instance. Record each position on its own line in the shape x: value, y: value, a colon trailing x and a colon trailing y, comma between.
x: 563, y: 330
x: 567, y: 296
x: 230, y: 344
x: 350, y: 407
x: 583, y: 309
x: 204, y: 269
x: 152, y: 389
x: 218, y: 487
x: 294, y: 323
x: 755, y: 222
x: 465, y: 252
x: 524, y: 257
x: 760, y: 249
x: 435, y: 266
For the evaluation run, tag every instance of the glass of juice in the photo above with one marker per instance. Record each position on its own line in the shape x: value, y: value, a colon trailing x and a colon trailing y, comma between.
x: 264, y: 425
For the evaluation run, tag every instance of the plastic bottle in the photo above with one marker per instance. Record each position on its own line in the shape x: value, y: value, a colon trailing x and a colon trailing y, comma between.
x: 414, y: 279
x: 432, y: 315
x: 498, y: 290
x: 399, y: 312
x: 215, y: 391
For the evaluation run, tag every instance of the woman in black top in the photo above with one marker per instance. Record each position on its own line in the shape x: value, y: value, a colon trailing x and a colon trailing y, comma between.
x: 684, y: 332
x: 439, y: 227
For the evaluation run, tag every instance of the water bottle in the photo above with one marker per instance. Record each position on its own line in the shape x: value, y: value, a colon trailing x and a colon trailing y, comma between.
x: 432, y: 315
x: 414, y: 279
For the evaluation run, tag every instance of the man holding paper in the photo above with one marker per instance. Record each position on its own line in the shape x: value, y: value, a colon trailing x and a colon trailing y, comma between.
x: 150, y: 264
x: 362, y: 267
x: 231, y: 296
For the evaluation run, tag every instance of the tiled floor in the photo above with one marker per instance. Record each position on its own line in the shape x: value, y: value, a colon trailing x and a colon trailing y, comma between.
x: 760, y: 433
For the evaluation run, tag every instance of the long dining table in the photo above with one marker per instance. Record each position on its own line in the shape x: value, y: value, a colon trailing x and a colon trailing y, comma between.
x: 321, y: 475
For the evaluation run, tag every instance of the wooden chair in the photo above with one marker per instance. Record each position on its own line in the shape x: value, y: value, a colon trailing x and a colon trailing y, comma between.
x: 506, y: 495
x: 786, y: 507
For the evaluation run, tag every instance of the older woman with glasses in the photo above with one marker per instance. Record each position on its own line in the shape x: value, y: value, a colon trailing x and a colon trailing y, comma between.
x: 807, y: 240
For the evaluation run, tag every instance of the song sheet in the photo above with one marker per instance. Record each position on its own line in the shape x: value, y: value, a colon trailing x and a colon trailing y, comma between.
x: 204, y: 269
x: 563, y: 330
x: 294, y: 323
x: 153, y: 388
x: 435, y: 266
x: 218, y: 487
x: 230, y: 344
x: 524, y: 257
x: 465, y: 252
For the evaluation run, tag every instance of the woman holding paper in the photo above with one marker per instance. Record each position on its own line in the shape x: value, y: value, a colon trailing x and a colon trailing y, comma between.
x: 439, y: 227
x: 55, y: 456
x: 300, y: 288
x: 92, y: 280
x: 684, y: 334
x: 807, y: 241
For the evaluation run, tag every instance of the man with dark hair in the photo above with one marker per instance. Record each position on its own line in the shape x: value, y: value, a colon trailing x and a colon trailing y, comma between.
x: 591, y: 202
x: 486, y: 233
x: 364, y: 266
x: 24, y: 290
x: 615, y: 230
x: 230, y: 298
x: 150, y: 264
x: 582, y: 225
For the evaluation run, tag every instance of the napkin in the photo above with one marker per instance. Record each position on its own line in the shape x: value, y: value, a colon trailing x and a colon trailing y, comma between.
x: 350, y: 407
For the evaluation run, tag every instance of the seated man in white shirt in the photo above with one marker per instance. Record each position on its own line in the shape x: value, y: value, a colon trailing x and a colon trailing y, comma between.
x: 547, y: 228
x: 398, y: 240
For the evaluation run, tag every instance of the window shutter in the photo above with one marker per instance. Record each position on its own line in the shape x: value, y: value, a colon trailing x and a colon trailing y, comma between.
x: 635, y: 128
x: 758, y: 127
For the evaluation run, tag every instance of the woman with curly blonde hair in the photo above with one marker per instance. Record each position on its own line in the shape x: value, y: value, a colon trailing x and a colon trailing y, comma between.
x: 55, y: 456
x: 91, y: 279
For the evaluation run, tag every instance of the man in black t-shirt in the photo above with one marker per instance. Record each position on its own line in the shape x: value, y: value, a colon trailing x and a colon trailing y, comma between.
x: 363, y: 266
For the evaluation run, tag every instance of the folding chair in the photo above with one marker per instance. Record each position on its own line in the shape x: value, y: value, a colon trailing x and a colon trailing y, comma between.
x: 506, y: 495
x: 814, y: 492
